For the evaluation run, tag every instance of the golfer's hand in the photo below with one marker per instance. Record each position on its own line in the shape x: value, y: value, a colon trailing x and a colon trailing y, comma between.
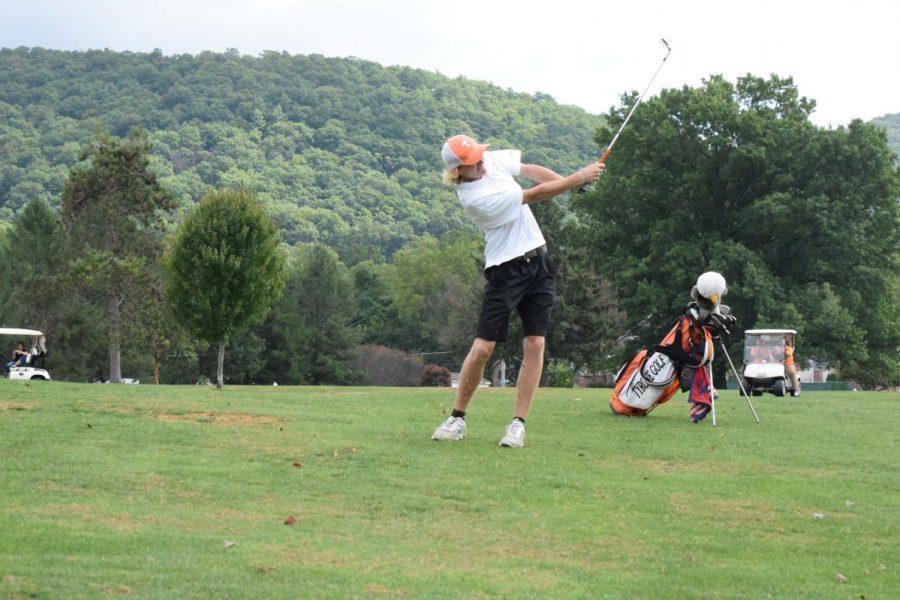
x: 592, y: 171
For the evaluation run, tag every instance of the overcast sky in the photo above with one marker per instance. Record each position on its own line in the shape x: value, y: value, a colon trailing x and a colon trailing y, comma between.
x: 845, y: 55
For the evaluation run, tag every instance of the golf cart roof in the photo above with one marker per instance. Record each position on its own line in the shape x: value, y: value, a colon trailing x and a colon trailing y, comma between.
x: 14, y: 331
x: 768, y: 331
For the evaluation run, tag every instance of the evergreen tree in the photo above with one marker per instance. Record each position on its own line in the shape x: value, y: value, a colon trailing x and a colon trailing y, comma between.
x: 314, y: 318
x: 113, y: 218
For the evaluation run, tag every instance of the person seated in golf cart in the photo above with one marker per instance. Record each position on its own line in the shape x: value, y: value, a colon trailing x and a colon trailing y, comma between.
x: 19, y: 357
x: 764, y: 352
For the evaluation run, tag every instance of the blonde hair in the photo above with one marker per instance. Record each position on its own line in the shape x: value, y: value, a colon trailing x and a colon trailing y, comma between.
x: 451, y: 176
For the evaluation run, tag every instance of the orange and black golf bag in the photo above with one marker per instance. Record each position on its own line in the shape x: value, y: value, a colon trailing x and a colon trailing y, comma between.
x: 680, y: 361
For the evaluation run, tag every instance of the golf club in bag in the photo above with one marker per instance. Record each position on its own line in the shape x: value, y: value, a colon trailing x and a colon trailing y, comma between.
x: 609, y: 148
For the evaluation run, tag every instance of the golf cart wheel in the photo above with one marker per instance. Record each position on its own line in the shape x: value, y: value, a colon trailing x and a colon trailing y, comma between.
x: 778, y: 388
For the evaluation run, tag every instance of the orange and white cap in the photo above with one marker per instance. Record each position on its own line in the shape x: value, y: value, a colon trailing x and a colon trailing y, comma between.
x: 462, y: 150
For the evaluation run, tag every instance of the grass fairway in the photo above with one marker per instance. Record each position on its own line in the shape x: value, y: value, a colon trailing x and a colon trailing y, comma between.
x: 134, y: 490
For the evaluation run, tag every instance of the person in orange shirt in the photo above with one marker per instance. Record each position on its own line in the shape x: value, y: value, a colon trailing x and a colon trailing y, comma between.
x: 789, y: 369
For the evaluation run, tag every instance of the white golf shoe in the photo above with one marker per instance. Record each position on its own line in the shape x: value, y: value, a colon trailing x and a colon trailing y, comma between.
x: 451, y: 430
x: 515, y: 435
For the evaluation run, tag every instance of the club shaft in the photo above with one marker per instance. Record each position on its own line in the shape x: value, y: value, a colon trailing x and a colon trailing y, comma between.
x: 640, y: 98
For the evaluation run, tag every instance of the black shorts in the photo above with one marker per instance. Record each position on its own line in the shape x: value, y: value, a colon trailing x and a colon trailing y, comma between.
x: 526, y: 285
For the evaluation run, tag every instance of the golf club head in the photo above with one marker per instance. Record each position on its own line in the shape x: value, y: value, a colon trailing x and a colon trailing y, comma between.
x: 665, y: 43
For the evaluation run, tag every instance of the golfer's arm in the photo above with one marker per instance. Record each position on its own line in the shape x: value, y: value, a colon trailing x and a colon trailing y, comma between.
x: 549, y: 189
x: 538, y: 173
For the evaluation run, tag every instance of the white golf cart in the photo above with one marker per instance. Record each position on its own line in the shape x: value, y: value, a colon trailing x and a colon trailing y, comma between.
x: 34, y: 368
x: 764, y: 361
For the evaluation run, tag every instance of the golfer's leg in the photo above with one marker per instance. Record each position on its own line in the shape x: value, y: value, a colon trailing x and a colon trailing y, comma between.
x: 529, y: 374
x: 472, y: 371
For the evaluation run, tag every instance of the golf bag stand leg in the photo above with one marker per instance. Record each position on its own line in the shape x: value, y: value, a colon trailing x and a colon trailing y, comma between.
x: 740, y: 383
x: 712, y: 396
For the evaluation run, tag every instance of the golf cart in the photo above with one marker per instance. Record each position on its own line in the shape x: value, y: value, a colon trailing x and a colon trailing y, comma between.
x: 34, y: 367
x: 764, y: 355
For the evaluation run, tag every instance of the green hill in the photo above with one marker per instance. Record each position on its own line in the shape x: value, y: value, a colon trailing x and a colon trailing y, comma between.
x: 891, y: 124
x: 342, y: 151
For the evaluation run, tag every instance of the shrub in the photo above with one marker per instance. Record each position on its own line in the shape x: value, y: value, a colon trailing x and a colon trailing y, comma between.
x: 560, y: 375
x: 435, y: 376
x: 387, y: 366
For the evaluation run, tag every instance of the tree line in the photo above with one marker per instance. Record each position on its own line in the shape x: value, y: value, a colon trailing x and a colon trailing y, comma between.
x: 375, y: 255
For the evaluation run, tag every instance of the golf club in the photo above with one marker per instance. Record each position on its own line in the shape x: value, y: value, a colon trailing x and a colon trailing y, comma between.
x: 609, y: 148
x: 740, y: 383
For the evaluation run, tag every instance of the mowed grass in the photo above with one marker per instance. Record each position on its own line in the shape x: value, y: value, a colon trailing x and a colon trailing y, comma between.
x: 135, y: 490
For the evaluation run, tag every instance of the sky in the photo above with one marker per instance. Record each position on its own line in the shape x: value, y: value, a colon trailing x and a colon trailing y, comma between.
x: 845, y: 55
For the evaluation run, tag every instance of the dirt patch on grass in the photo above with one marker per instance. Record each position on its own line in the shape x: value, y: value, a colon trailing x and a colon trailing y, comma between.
x: 644, y: 465
x: 111, y: 588
x: 221, y: 419
x: 731, y: 511
x: 90, y: 516
x: 13, y: 405
x: 307, y: 556
x: 375, y: 589
x: 115, y: 408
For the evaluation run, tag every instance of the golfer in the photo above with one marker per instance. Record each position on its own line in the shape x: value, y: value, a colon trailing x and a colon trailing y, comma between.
x: 518, y: 273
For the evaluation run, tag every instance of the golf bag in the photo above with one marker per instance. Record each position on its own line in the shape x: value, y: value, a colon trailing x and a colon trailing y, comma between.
x: 644, y: 382
x: 680, y: 361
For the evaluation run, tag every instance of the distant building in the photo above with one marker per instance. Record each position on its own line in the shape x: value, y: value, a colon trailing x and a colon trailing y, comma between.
x: 595, y: 380
x: 454, y: 381
x: 816, y: 371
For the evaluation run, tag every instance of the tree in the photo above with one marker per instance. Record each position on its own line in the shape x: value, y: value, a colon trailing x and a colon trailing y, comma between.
x: 314, y: 318
x: 159, y: 331
x: 586, y: 317
x: 226, y: 268
x: 34, y: 262
x: 42, y: 297
x: 435, y: 288
x: 113, y: 217
x: 802, y: 221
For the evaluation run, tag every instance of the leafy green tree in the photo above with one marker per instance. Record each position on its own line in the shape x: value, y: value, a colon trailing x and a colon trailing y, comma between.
x: 226, y: 269
x: 802, y: 221
x: 113, y: 218
x: 435, y: 288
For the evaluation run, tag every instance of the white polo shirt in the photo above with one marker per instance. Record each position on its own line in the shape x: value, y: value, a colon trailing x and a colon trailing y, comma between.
x: 494, y: 203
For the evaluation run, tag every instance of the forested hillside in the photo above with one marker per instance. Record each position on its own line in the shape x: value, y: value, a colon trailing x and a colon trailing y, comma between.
x: 891, y: 124
x: 341, y: 151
